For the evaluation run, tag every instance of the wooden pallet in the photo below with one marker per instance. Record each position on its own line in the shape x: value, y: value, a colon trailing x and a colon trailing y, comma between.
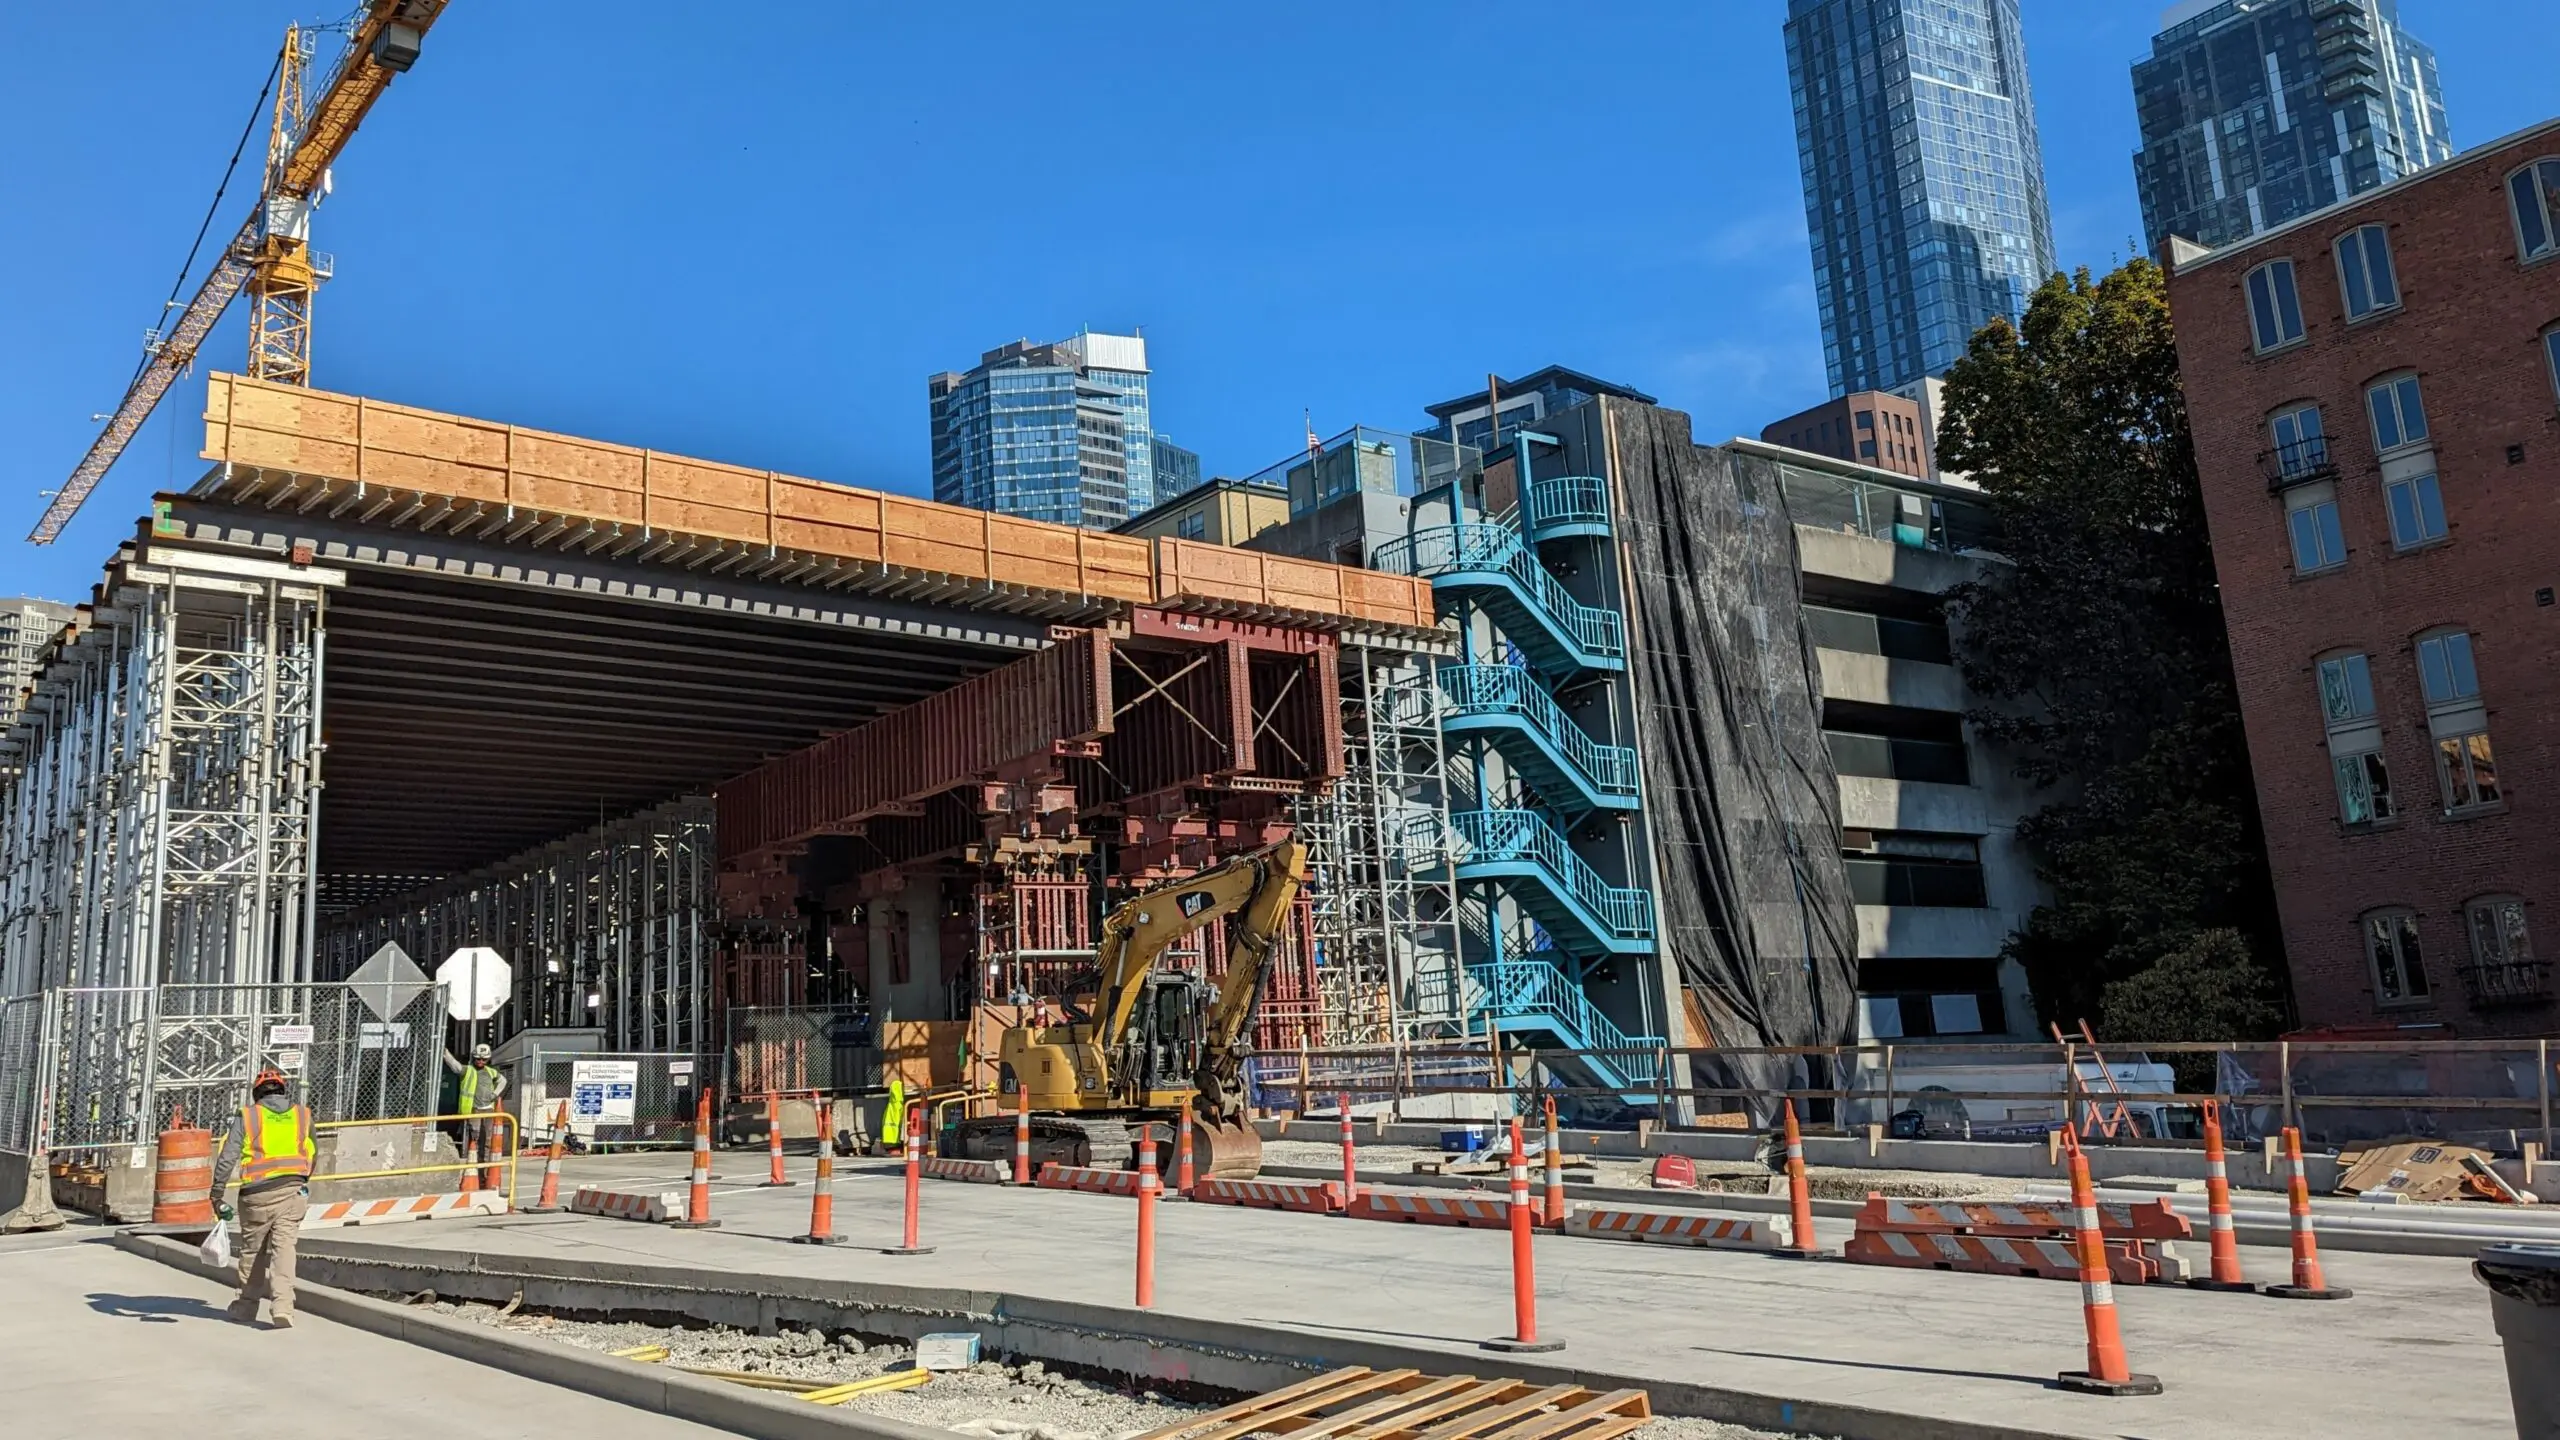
x: 1362, y: 1404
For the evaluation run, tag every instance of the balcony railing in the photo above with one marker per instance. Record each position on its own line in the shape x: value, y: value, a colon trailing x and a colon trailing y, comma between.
x: 1451, y: 549
x: 1524, y: 835
x: 1568, y: 500
x: 1508, y: 689
x: 2297, y: 463
x: 2508, y: 982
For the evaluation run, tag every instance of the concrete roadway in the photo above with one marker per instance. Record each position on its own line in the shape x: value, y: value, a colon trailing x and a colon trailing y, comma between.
x: 2414, y: 1352
x: 102, y: 1343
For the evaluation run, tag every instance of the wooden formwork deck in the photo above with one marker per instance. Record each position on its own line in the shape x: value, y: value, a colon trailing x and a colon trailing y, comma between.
x: 307, y: 447
x: 1362, y: 1404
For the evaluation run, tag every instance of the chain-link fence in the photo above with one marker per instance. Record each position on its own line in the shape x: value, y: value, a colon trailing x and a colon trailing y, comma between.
x: 21, y: 1033
x: 96, y: 1068
x: 351, y: 1063
x: 616, y: 1099
x: 833, y: 1049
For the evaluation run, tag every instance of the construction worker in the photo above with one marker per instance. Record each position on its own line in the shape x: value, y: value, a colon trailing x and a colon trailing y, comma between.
x: 270, y: 1146
x: 893, y: 1124
x: 482, y: 1084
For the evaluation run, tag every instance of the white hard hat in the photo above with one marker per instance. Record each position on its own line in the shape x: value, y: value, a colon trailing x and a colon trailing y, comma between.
x: 479, y: 1052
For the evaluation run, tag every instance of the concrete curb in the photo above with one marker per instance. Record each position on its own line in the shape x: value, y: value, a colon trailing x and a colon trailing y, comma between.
x: 757, y: 1413
x: 1181, y: 1353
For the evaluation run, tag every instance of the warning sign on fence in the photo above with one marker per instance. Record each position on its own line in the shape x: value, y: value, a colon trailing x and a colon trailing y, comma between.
x: 604, y: 1092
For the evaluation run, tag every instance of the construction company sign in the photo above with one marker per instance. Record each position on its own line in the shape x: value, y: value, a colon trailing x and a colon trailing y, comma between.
x: 603, y: 1092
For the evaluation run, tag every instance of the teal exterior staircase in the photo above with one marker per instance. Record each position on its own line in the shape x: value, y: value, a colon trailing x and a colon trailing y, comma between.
x: 1491, y: 566
x: 1509, y: 709
x: 1530, y: 861
x: 1533, y: 996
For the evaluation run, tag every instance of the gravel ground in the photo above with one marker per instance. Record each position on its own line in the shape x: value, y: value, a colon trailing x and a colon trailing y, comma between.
x: 1611, y: 1174
x: 990, y: 1400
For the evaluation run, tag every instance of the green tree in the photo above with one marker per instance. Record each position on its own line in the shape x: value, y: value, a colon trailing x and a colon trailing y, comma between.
x: 2105, y: 671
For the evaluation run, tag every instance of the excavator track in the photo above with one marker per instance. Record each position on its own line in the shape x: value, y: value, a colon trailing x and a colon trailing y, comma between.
x: 1103, y: 1141
x: 1109, y: 1142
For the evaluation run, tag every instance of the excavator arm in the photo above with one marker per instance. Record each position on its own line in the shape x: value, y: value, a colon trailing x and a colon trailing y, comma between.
x: 1261, y: 886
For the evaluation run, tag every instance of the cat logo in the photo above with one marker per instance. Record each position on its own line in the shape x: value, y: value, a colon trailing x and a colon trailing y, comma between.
x: 1193, y: 904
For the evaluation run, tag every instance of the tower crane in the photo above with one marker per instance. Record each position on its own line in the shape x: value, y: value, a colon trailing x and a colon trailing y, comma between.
x: 271, y: 257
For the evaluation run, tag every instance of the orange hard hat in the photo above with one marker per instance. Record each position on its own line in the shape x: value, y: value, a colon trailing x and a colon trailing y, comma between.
x: 268, y: 1079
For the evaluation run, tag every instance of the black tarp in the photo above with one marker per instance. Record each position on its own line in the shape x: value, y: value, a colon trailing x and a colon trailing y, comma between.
x: 1754, y: 904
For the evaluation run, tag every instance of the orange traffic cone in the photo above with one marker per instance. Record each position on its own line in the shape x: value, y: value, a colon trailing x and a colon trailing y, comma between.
x: 2308, y: 1282
x: 1801, y: 1245
x: 2108, y: 1374
x: 2217, y: 1191
x: 697, y: 1205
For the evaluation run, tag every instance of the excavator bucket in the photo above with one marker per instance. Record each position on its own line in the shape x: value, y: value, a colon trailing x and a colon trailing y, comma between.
x: 1225, y: 1151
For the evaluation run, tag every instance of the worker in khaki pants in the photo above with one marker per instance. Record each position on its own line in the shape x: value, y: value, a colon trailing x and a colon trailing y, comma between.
x: 271, y: 1147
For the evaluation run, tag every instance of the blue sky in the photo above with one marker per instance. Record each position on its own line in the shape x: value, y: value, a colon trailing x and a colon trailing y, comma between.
x: 752, y: 241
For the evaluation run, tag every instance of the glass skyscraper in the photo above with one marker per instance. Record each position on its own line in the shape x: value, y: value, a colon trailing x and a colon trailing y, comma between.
x: 1923, y: 180
x: 1056, y: 432
x: 2256, y: 111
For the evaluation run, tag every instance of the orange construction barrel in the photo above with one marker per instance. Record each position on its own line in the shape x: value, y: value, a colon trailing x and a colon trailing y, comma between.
x: 182, y: 1185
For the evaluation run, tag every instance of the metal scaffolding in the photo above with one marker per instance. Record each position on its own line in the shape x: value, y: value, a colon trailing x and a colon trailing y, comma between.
x: 1386, y: 900
x: 159, y: 793
x: 611, y: 929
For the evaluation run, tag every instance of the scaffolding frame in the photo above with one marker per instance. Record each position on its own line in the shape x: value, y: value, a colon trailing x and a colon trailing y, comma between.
x: 159, y: 794
x: 611, y: 929
x: 1386, y: 898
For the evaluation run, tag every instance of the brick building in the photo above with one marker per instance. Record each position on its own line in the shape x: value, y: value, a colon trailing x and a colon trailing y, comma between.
x: 1870, y: 427
x: 2375, y: 394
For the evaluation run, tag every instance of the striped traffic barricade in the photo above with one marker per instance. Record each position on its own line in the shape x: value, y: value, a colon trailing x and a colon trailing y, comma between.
x: 1675, y: 1227
x: 392, y: 1209
x: 1412, y: 1207
x: 1306, y: 1197
x: 979, y: 1172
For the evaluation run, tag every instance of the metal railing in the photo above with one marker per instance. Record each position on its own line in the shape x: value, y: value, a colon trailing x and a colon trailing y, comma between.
x: 1920, y: 520
x: 2507, y: 982
x: 1495, y: 836
x: 1508, y: 689
x: 1568, y: 500
x: 1453, y: 549
x: 2297, y: 462
x: 2340, y: 1092
x: 1531, y: 986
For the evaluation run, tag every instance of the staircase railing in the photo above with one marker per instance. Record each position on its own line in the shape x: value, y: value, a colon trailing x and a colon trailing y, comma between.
x: 1533, y: 986
x: 1498, y: 835
x: 1451, y: 548
x: 1509, y: 690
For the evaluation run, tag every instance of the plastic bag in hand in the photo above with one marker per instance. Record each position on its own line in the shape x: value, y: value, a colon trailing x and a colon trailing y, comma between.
x: 216, y: 1249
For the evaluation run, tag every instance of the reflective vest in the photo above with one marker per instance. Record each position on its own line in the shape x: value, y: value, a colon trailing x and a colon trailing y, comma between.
x: 471, y: 1090
x: 893, y: 1123
x: 274, y: 1146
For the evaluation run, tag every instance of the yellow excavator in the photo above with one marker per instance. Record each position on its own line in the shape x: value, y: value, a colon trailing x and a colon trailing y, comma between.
x: 1154, y: 1037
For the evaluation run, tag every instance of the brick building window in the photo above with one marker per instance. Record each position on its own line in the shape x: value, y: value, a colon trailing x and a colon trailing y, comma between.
x: 2311, y: 516
x: 2275, y: 311
x: 2417, y: 507
x: 2534, y: 194
x: 2355, y: 740
x: 2391, y: 947
x: 2502, y: 970
x: 2399, y: 419
x: 2551, y: 353
x: 2466, y: 768
x: 2364, y: 272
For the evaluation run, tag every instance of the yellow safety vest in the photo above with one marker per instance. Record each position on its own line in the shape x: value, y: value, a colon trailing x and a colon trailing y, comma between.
x: 274, y: 1146
x: 470, y: 1089
x: 893, y: 1124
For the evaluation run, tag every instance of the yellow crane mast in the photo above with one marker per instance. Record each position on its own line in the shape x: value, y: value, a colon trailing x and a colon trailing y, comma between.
x: 271, y: 256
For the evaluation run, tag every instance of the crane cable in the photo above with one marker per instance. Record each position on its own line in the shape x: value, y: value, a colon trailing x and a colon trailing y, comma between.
x: 180, y: 284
